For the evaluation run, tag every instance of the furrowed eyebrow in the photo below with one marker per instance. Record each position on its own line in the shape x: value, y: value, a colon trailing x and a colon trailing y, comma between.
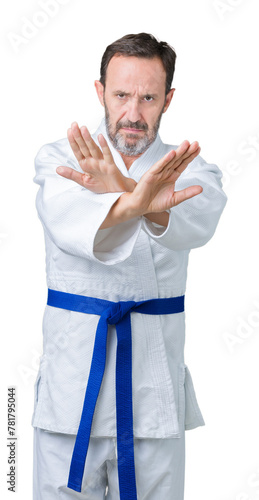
x: 116, y: 92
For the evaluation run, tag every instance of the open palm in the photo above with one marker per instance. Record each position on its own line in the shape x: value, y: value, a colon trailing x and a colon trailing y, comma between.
x: 101, y: 175
x: 155, y: 191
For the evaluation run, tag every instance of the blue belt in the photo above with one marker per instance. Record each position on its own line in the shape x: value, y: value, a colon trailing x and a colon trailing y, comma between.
x: 111, y: 313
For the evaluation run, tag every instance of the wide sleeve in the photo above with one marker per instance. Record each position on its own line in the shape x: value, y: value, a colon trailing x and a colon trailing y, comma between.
x: 193, y: 222
x: 71, y: 215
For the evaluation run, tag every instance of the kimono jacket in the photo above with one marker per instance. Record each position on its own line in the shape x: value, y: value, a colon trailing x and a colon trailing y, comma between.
x: 135, y: 260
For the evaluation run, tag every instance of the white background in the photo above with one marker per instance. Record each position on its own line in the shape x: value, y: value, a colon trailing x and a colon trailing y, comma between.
x: 47, y: 82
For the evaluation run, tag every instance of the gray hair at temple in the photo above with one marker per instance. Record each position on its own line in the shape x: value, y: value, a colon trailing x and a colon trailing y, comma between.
x: 141, y: 45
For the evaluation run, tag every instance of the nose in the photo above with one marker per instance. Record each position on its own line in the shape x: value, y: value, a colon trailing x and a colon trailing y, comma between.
x: 133, y: 110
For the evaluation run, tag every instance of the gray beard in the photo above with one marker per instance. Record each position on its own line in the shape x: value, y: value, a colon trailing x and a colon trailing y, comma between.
x: 128, y: 148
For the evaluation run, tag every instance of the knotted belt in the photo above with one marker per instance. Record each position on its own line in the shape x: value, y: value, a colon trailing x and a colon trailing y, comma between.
x: 118, y: 314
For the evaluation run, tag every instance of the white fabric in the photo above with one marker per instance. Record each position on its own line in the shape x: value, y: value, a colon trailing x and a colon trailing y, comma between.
x: 159, y: 465
x: 137, y: 260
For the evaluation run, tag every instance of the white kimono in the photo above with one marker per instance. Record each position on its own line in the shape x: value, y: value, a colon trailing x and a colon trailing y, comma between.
x: 136, y: 260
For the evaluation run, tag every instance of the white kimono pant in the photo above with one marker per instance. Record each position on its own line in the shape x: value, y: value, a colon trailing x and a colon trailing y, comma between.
x: 159, y: 468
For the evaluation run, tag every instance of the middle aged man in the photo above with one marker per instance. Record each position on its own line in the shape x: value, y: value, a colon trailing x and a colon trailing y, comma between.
x: 120, y: 211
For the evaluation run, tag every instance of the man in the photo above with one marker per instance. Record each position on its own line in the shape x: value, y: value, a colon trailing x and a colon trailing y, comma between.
x: 120, y: 211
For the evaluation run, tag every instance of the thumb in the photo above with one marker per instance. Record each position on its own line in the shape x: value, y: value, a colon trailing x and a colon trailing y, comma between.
x: 186, y: 194
x: 73, y: 175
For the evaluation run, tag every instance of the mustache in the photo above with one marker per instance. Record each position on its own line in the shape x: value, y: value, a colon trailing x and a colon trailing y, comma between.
x: 137, y: 125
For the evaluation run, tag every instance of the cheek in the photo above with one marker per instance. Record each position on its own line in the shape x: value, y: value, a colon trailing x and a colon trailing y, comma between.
x: 118, y: 114
x: 151, y: 118
x: 116, y: 109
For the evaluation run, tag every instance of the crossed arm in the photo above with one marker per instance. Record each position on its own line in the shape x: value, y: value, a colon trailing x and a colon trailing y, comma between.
x: 151, y: 197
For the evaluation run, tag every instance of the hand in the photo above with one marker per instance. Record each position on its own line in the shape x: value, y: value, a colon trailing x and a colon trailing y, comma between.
x: 155, y: 191
x: 101, y: 175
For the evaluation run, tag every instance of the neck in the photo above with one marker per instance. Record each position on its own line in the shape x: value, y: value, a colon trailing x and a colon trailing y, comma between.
x: 128, y: 160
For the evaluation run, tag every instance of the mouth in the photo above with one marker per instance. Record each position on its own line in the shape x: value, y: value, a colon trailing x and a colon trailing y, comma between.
x: 132, y: 130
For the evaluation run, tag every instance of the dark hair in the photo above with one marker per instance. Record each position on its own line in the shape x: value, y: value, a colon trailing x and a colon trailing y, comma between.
x: 141, y: 45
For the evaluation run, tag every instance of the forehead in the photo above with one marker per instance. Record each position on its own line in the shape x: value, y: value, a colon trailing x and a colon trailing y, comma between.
x: 136, y: 72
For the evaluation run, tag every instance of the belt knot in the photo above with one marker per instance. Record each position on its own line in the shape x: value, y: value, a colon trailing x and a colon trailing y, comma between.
x: 118, y: 310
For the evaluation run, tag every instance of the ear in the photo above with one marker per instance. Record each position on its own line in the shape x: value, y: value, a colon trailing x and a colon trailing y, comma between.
x: 168, y: 99
x: 100, y: 91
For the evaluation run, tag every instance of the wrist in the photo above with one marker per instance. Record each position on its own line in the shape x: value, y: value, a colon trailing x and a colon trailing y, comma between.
x: 121, y: 211
x: 125, y: 207
x: 129, y: 184
x: 122, y: 183
x: 161, y: 218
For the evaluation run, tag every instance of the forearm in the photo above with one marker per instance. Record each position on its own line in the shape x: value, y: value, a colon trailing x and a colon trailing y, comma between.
x: 123, y: 210
x: 159, y: 218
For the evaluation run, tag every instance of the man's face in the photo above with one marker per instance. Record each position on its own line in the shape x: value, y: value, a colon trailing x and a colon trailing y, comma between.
x: 134, y: 100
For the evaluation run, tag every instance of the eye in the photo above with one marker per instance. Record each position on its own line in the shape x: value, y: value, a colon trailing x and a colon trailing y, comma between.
x: 121, y: 95
x: 148, y: 98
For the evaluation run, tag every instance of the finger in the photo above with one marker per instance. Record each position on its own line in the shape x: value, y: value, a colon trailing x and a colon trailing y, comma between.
x: 192, y: 148
x: 187, y: 160
x: 182, y: 150
x: 172, y: 159
x: 160, y: 165
x: 186, y: 194
x: 73, y: 175
x: 171, y: 168
x: 107, y: 155
x: 78, y: 138
x: 95, y: 152
x: 184, y: 153
x: 75, y: 148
